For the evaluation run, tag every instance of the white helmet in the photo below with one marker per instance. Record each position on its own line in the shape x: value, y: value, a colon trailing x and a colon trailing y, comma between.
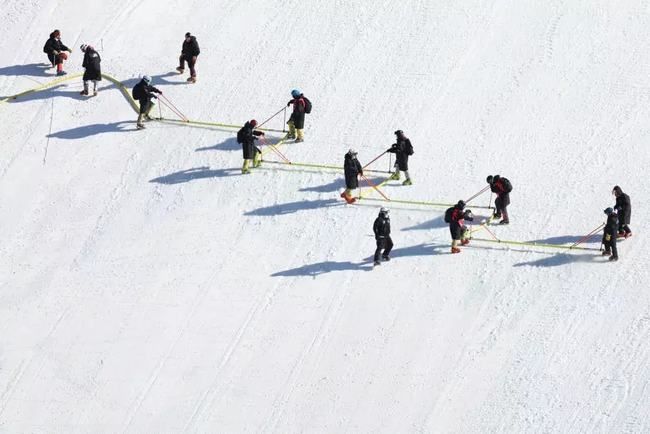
x: 383, y: 210
x: 147, y: 79
x: 351, y: 151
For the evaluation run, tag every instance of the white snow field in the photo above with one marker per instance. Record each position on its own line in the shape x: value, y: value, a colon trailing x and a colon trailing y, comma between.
x: 146, y: 286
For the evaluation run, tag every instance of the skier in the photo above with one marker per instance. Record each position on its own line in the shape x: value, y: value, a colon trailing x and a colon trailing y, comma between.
x: 609, y: 235
x: 624, y: 209
x: 55, y: 50
x: 402, y: 150
x: 381, y: 228
x: 246, y: 136
x: 456, y: 217
x: 296, y: 122
x: 502, y: 187
x: 92, y: 64
x: 144, y: 92
x: 189, y: 54
x: 352, y: 169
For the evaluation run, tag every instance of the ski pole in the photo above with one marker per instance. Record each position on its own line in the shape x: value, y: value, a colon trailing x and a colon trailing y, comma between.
x: 377, y: 158
x: 490, y: 202
x: 277, y: 113
x: 159, y: 111
x: 375, y: 187
x: 477, y: 194
x: 284, y: 121
x: 588, y: 236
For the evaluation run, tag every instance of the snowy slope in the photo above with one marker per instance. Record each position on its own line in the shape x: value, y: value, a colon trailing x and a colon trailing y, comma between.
x: 146, y: 286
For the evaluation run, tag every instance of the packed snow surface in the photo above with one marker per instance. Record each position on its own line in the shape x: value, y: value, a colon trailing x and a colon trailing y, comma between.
x: 147, y: 286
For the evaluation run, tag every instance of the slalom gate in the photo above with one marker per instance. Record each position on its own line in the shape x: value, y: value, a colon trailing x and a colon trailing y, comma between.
x: 273, y: 147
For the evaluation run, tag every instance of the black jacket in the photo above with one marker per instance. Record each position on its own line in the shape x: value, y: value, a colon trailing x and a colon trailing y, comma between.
x: 53, y: 44
x: 352, y: 169
x: 611, y: 227
x: 624, y: 208
x: 381, y: 227
x: 247, y: 136
x: 142, y: 91
x: 401, y: 150
x: 92, y: 63
x: 190, y: 48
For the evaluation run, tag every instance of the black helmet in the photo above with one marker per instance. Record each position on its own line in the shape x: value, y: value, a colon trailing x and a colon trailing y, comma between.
x: 617, y: 190
x: 399, y: 133
x: 609, y: 210
x: 489, y: 179
x: 460, y: 205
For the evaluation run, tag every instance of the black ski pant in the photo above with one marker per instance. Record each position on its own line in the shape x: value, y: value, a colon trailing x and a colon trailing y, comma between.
x: 191, y: 61
x: 622, y: 227
x: 385, y: 244
x: 610, y: 246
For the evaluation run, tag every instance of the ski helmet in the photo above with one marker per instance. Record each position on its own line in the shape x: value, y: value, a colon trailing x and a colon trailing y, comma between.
x: 399, y: 133
x: 383, y: 210
x: 460, y: 205
x: 489, y: 179
x: 609, y: 210
x: 188, y: 35
x: 83, y: 47
x: 617, y: 190
x: 253, y: 123
x: 352, y: 152
x: 146, y: 79
x: 296, y: 93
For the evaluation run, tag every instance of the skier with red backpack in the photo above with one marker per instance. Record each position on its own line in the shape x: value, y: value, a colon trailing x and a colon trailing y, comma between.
x: 301, y: 106
x: 55, y: 50
x: 501, y: 187
x: 456, y: 216
x: 402, y: 149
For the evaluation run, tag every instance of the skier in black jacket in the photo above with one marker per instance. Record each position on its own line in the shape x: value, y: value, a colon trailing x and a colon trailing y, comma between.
x: 456, y: 217
x: 352, y: 169
x: 381, y: 228
x: 246, y: 136
x: 501, y: 187
x: 624, y: 209
x: 609, y: 235
x: 55, y: 50
x: 402, y: 150
x: 144, y: 92
x: 189, y: 53
x: 92, y: 64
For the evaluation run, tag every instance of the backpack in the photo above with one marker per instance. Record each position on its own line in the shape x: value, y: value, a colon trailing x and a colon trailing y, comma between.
x: 240, y: 136
x: 307, y: 105
x: 408, y: 148
x: 507, y: 185
x: 448, y: 214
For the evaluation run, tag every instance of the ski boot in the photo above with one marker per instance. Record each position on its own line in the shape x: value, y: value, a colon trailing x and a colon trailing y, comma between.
x: 504, y: 222
x: 386, y: 258
x: 606, y: 253
x: 291, y: 136
x: 180, y: 69
x: 246, y: 171
x: 84, y: 92
x: 613, y: 259
x: 395, y: 176
x: 191, y: 80
x: 455, y: 250
x: 140, y: 126
x: 407, y: 182
x: 377, y: 263
x: 60, y: 73
x: 299, y: 140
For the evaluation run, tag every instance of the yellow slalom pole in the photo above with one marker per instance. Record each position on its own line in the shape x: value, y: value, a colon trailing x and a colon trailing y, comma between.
x: 416, y: 202
x: 316, y: 166
x: 534, y: 244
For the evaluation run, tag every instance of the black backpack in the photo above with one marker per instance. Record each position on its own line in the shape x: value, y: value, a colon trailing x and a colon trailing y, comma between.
x: 408, y: 148
x: 240, y: 136
x: 507, y: 185
x: 448, y: 214
x: 307, y: 105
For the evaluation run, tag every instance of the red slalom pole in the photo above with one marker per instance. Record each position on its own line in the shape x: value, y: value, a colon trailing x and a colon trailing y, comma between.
x: 273, y: 148
x: 375, y: 187
x: 588, y: 236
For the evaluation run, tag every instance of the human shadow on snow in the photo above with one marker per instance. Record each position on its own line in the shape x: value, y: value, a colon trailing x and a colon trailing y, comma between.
x: 436, y: 223
x: 337, y: 184
x: 319, y: 268
x: 50, y: 93
x: 293, y: 207
x: 227, y: 145
x: 194, y: 174
x: 32, y: 69
x: 560, y: 259
x: 91, y: 130
x: 566, y: 239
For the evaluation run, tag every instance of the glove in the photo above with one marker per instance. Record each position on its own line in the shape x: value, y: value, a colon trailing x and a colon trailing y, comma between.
x: 289, y: 103
x: 262, y: 133
x: 154, y: 96
x: 56, y: 53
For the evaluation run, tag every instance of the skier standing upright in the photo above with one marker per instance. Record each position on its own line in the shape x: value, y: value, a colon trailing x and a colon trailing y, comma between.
x: 189, y: 53
x: 351, y: 169
x: 609, y: 235
x: 246, y: 136
x: 296, y: 121
x: 55, y: 50
x: 502, y: 187
x: 93, y: 70
x: 624, y: 209
x: 402, y: 149
x: 144, y: 92
x: 381, y: 228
